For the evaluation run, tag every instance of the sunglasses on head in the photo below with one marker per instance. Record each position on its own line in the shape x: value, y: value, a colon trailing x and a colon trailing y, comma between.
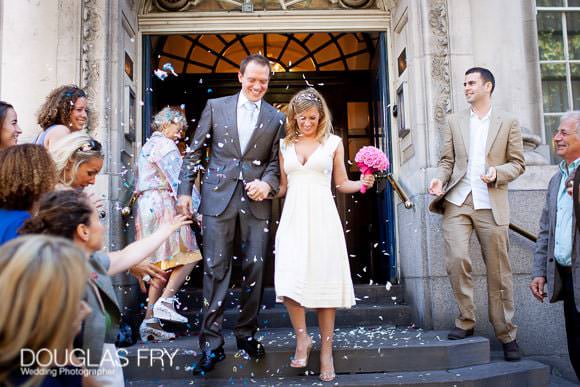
x: 92, y: 145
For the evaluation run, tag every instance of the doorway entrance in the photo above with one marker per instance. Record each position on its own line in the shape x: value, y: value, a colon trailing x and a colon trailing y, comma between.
x: 348, y: 68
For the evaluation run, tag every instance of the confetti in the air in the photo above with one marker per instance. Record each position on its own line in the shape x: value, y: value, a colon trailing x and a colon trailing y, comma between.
x: 169, y: 68
x: 160, y: 74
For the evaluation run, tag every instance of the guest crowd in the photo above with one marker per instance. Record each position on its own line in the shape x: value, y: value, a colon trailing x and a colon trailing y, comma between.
x: 56, y: 275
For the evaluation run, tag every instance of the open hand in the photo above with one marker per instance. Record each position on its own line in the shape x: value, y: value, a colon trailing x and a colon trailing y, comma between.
x: 147, y: 272
x: 176, y: 223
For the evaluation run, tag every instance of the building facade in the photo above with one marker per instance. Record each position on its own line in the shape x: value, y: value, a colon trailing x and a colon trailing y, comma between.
x: 391, y: 70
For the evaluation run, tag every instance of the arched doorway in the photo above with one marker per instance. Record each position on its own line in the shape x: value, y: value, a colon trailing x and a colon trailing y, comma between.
x: 342, y: 65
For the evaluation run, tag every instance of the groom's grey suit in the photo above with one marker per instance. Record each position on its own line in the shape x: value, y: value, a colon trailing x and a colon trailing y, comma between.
x: 225, y: 207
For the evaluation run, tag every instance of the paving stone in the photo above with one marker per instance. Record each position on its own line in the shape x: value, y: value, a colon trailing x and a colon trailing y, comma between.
x: 356, y: 350
x: 525, y: 373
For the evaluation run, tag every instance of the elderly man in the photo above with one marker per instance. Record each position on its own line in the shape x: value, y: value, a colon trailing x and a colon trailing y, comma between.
x: 558, y: 246
x: 481, y: 153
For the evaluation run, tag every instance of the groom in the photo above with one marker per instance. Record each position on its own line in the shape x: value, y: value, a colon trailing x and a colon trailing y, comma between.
x: 242, y: 132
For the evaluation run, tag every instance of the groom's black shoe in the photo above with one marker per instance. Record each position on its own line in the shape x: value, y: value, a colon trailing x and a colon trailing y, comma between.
x: 208, y: 360
x: 252, y: 347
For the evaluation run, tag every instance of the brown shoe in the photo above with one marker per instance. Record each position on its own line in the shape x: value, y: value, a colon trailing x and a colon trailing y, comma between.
x: 511, y: 351
x: 459, y: 334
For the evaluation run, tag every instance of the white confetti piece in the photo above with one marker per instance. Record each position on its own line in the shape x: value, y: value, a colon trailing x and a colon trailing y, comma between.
x: 160, y: 74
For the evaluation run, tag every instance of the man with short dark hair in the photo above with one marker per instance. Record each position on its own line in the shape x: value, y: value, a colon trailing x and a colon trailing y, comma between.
x: 558, y: 247
x: 481, y: 153
x: 243, y: 132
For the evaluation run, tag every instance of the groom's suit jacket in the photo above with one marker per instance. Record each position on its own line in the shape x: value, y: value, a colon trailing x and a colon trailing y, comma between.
x: 504, y: 151
x: 218, y: 130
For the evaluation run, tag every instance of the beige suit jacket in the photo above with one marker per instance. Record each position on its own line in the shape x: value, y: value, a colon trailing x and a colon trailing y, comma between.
x: 504, y: 151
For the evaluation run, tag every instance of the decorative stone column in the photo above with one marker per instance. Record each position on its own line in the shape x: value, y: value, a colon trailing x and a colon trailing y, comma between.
x: 95, y: 70
x: 441, y: 80
x: 94, y: 66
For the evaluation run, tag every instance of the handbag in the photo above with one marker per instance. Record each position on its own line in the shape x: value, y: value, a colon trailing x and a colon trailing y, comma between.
x: 129, y: 196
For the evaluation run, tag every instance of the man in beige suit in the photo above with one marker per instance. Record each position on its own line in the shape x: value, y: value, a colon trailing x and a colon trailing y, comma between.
x: 481, y: 152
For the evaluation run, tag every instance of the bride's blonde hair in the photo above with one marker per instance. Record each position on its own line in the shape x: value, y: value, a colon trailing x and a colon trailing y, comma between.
x: 302, y: 101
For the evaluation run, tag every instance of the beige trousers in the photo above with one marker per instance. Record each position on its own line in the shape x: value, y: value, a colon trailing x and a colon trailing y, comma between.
x: 458, y: 225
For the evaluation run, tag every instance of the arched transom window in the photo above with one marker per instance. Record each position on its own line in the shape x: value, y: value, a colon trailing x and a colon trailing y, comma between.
x: 301, y: 52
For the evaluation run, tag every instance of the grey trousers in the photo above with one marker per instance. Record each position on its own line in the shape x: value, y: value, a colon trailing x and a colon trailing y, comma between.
x: 219, y: 233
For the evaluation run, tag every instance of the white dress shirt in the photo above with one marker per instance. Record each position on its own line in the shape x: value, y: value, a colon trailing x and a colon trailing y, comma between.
x: 471, y: 182
x: 247, y: 118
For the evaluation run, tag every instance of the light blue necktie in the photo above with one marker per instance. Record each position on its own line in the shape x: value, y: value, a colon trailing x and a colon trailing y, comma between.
x: 248, y: 124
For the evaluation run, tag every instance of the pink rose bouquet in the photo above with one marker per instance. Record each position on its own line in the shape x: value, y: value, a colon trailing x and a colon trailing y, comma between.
x: 370, y: 160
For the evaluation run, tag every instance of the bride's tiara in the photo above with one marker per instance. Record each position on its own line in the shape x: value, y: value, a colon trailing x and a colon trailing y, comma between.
x: 307, y: 97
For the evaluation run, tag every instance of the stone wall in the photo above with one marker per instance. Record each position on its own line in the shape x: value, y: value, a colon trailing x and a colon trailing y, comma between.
x: 445, y: 38
x: 38, y: 52
x: 427, y: 286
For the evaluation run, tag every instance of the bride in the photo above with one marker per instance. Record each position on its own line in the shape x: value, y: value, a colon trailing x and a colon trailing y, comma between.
x: 312, y: 268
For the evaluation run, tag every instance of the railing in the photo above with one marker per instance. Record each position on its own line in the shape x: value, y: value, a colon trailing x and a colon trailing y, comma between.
x: 382, y: 182
x: 404, y: 197
x: 523, y: 232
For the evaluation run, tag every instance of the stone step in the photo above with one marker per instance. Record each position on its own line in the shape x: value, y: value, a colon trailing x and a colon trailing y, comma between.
x: 192, y: 298
x: 558, y: 381
x: 356, y: 350
x: 526, y: 373
x: 277, y: 317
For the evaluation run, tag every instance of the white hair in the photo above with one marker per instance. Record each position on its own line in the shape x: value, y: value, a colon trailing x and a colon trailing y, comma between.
x: 573, y: 115
x: 168, y: 115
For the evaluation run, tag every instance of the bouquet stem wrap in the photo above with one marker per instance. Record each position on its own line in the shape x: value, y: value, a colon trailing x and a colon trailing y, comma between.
x: 370, y: 159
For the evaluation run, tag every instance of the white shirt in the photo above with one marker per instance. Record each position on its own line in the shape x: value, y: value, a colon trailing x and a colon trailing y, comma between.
x: 471, y: 182
x: 247, y: 119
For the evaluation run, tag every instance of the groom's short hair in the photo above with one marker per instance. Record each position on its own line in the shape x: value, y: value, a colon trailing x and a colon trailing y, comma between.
x: 259, y: 59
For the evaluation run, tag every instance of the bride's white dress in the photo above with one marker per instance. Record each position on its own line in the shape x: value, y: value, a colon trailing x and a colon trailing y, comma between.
x: 311, y: 259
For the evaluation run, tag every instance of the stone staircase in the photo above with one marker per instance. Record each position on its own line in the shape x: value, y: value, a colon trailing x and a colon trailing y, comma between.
x: 375, y: 345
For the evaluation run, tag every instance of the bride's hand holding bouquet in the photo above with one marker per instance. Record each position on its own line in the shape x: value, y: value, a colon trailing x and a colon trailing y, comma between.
x: 370, y: 159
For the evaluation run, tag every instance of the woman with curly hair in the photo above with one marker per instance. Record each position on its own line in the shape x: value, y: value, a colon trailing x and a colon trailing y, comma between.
x: 64, y: 112
x: 9, y: 129
x: 26, y: 172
